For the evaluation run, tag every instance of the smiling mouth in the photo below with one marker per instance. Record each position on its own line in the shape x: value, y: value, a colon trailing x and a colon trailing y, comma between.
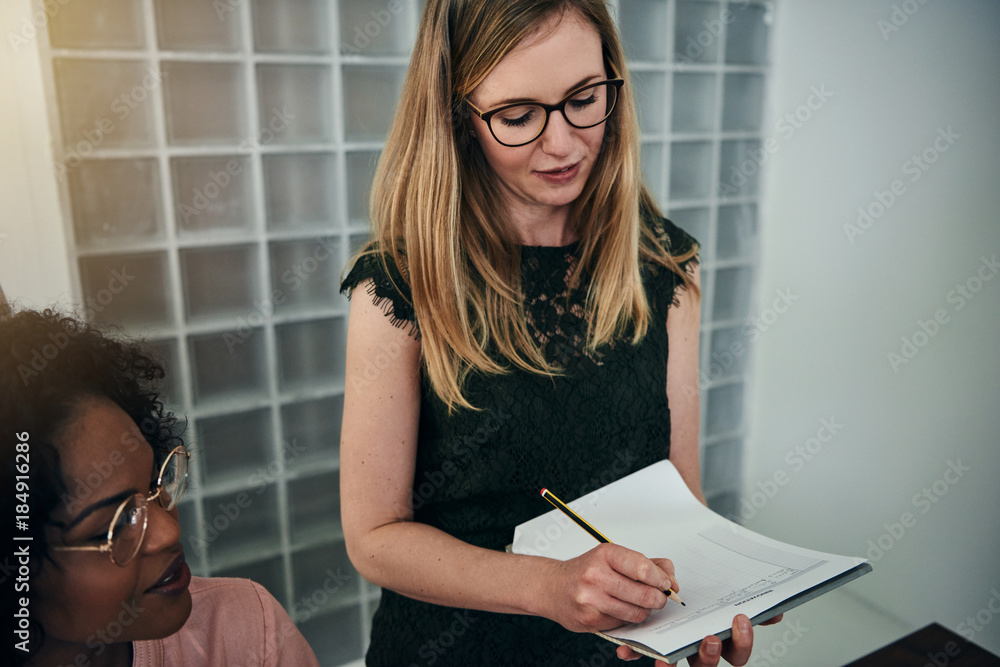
x: 559, y: 171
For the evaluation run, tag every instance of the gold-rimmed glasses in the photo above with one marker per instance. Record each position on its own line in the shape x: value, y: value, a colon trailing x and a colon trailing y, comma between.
x: 521, y: 123
x: 128, y: 527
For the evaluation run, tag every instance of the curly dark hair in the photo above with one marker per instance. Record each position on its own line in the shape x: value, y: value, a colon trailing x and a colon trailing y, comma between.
x: 48, y: 363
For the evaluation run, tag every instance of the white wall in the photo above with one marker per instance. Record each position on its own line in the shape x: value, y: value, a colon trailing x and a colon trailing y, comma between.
x: 896, y: 430
x: 34, y: 265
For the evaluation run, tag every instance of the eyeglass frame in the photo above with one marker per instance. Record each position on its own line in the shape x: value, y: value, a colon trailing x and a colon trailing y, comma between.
x: 108, y: 547
x: 487, y: 116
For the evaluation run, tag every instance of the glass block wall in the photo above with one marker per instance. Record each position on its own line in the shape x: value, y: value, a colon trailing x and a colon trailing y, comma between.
x: 214, y: 161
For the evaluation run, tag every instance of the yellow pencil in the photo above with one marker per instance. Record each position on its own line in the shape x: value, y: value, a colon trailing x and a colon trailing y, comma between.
x: 596, y: 534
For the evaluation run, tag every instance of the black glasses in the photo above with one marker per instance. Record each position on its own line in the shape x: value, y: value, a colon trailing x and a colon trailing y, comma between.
x: 522, y: 122
x: 128, y: 527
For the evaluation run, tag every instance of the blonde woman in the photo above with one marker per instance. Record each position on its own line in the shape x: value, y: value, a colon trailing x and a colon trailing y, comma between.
x: 509, y: 330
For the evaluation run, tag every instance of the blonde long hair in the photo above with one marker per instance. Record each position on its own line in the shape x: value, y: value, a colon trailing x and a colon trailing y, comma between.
x: 438, y: 215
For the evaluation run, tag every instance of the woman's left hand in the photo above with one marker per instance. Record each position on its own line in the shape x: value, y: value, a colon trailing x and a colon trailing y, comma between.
x: 736, y: 650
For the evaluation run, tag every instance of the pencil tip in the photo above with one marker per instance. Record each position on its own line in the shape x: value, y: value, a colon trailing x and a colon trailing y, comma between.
x: 683, y: 604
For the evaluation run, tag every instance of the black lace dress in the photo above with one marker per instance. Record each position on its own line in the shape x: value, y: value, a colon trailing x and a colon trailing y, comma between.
x: 478, y: 474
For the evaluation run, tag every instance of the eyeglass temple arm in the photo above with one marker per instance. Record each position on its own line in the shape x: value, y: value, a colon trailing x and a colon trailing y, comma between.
x: 478, y: 111
x: 102, y: 548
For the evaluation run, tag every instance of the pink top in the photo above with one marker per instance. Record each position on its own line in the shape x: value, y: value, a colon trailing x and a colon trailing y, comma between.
x: 232, y: 622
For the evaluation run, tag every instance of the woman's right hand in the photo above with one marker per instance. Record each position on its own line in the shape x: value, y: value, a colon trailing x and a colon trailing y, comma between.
x: 607, y: 587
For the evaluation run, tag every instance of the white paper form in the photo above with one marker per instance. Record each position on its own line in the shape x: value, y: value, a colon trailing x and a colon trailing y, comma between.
x: 723, y: 569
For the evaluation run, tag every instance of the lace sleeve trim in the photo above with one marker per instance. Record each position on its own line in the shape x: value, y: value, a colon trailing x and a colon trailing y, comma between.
x: 677, y: 242
x: 387, y: 289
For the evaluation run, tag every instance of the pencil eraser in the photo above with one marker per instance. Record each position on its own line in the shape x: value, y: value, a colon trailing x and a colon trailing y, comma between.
x: 543, y: 491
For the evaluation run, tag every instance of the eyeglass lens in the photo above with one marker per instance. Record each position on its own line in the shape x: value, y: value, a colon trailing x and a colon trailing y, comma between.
x: 130, y: 522
x: 173, y: 479
x: 523, y: 123
x: 129, y: 529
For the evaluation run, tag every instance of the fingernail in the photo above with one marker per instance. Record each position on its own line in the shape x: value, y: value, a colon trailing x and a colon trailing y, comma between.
x: 714, y: 648
x: 744, y: 624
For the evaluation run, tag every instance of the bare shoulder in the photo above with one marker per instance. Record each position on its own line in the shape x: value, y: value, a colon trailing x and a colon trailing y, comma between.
x: 378, y: 350
x: 686, y: 311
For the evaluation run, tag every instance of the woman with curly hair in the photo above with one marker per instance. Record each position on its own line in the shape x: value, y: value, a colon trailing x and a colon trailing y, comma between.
x: 95, y: 465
